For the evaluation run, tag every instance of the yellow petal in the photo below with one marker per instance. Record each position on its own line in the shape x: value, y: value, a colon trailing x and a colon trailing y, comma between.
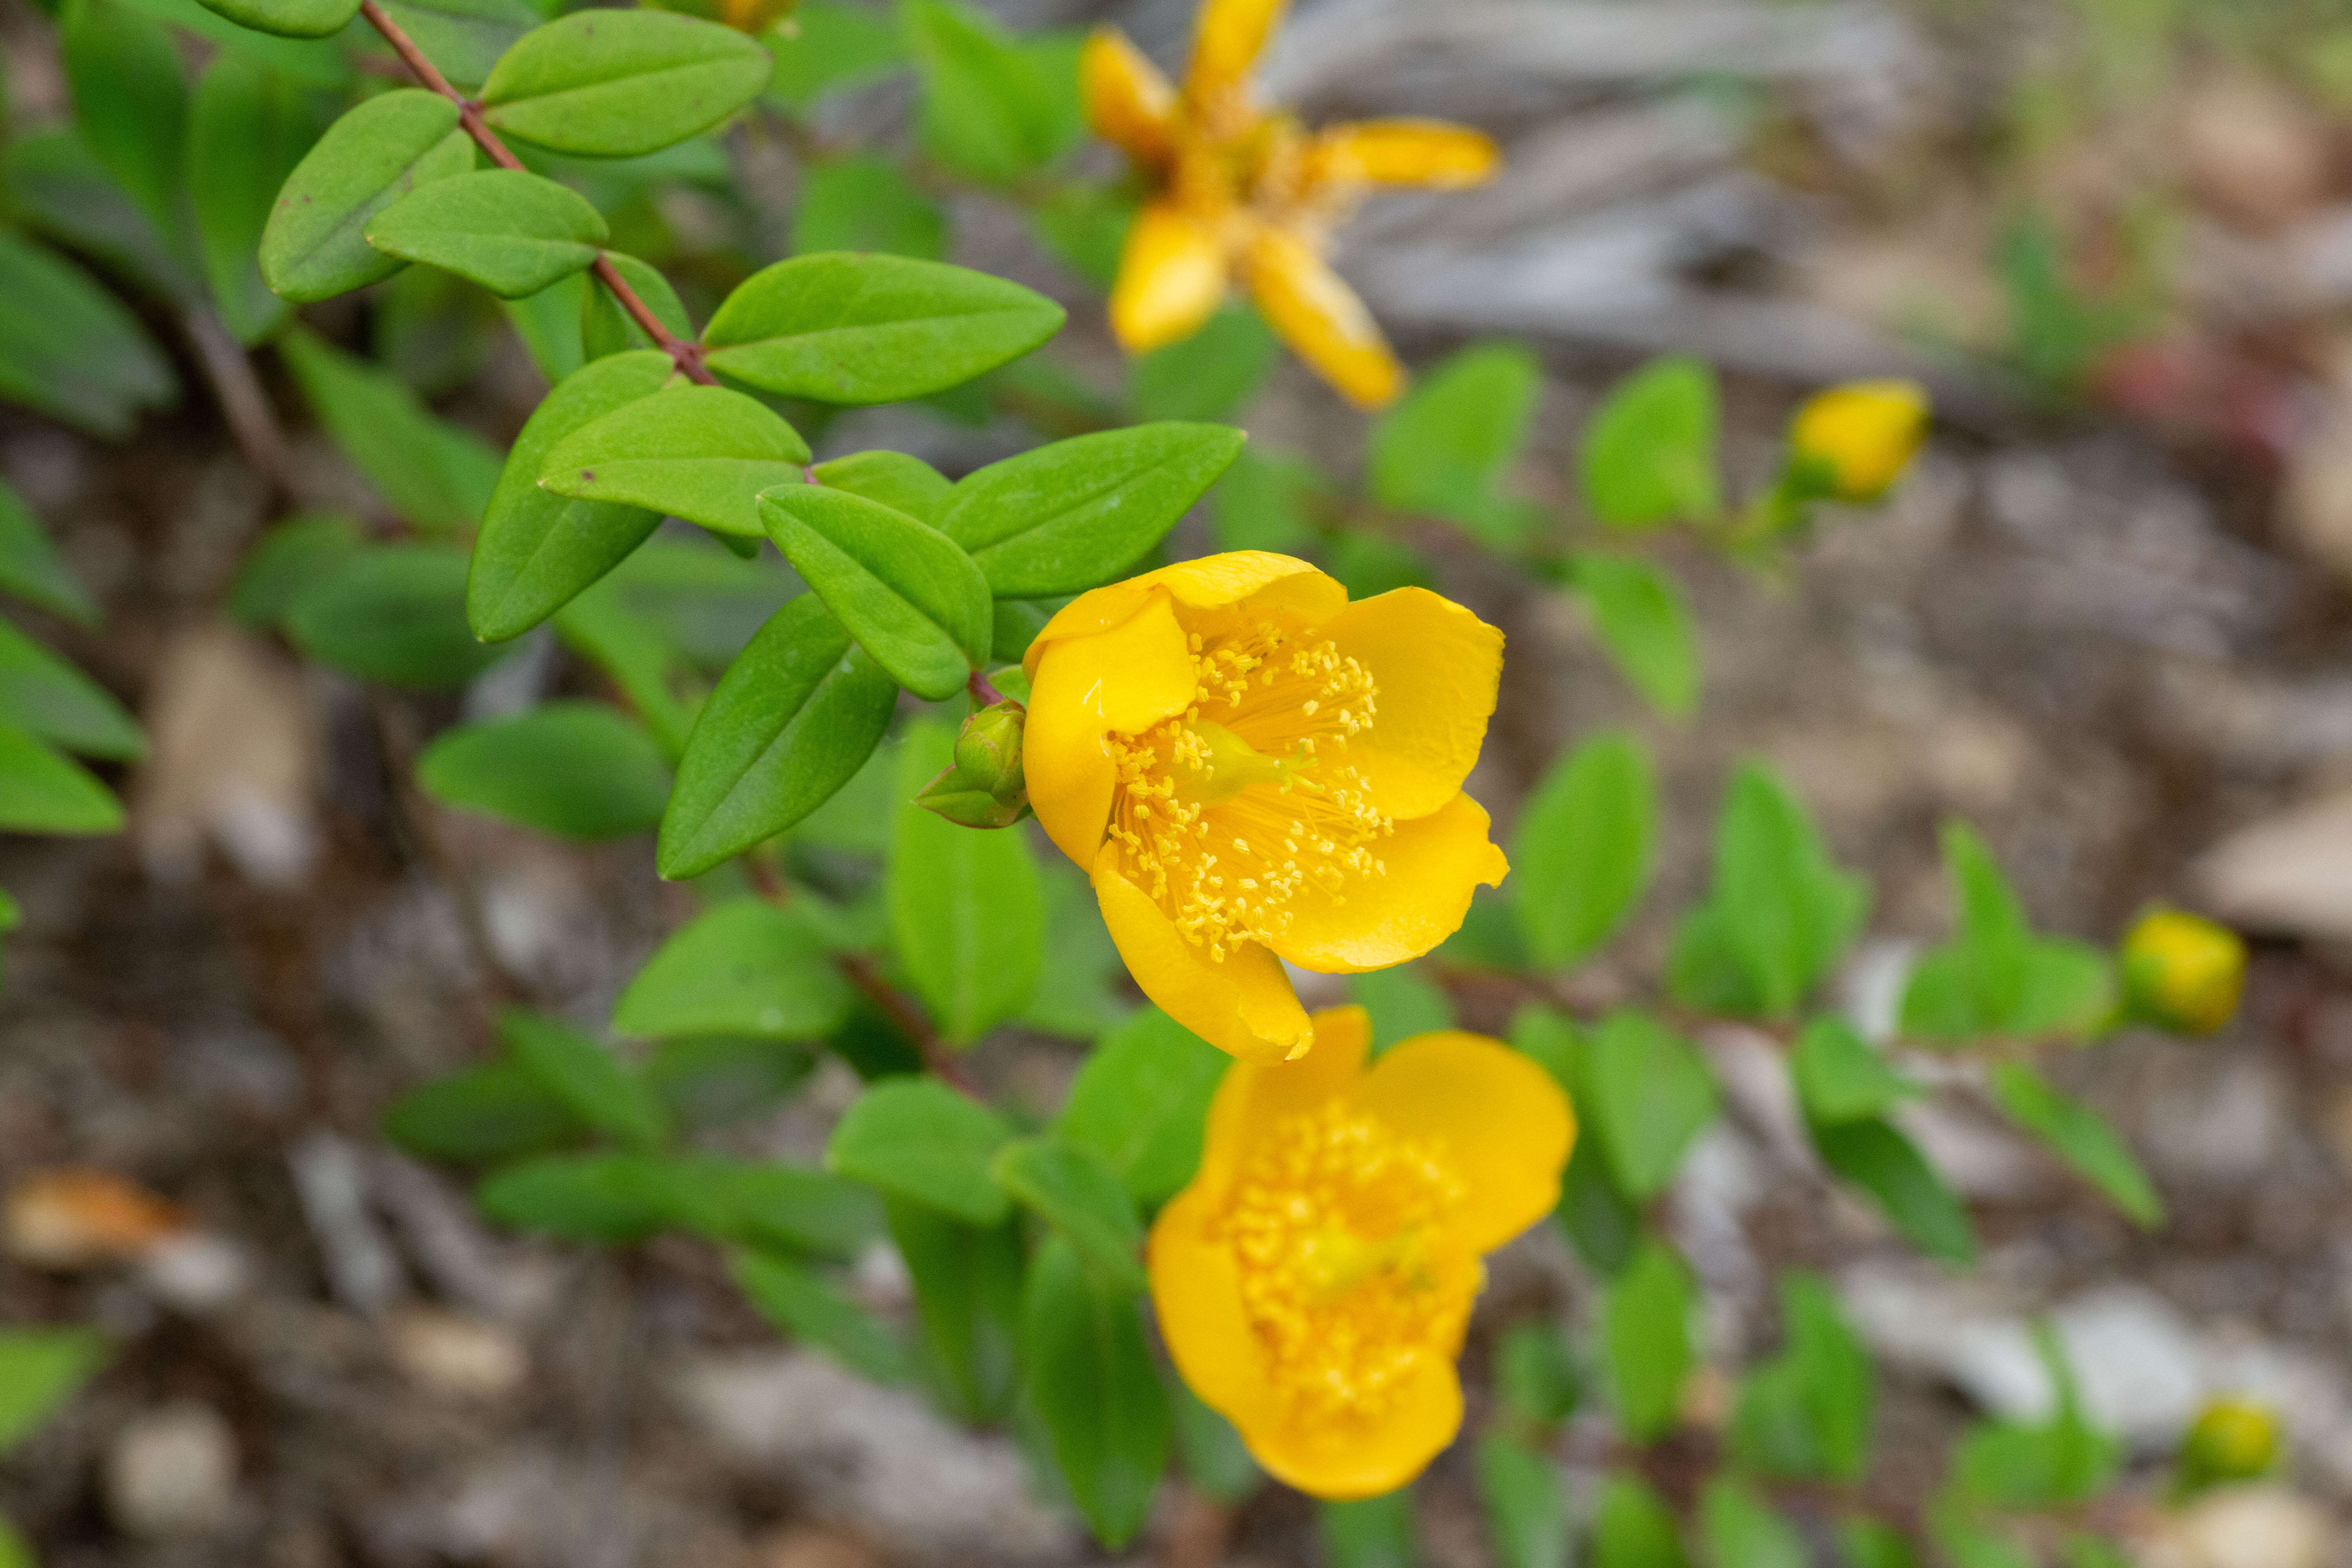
x: 1241, y: 1003
x: 1321, y: 318
x: 1170, y: 277
x: 1257, y: 575
x: 1402, y: 152
x: 1432, y: 862
x: 1342, y: 1460
x: 1197, y: 1297
x: 1506, y: 1124
x: 1126, y: 679
x: 1226, y: 41
x: 1128, y: 102
x: 1256, y: 1095
x: 1434, y: 666
x: 1862, y: 434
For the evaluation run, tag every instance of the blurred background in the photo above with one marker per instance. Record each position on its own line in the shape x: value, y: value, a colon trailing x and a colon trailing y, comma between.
x: 2106, y: 619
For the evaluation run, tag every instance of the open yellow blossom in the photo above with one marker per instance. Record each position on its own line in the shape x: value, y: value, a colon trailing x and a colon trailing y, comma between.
x: 2182, y: 971
x: 1314, y: 1281
x: 1253, y: 770
x: 1239, y: 193
x: 1859, y: 438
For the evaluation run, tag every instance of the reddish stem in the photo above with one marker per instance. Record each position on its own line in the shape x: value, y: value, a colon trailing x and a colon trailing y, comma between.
x: 686, y: 355
x: 983, y: 690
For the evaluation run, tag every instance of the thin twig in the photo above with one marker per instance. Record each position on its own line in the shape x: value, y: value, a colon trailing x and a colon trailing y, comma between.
x: 252, y: 423
x: 983, y: 690
x: 686, y: 355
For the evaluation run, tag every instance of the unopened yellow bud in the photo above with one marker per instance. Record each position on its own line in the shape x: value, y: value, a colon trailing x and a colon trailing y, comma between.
x: 1854, y: 441
x: 2232, y: 1439
x: 2183, y: 972
x: 985, y: 788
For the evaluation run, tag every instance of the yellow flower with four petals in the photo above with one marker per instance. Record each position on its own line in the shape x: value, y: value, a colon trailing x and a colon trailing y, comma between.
x: 1240, y: 194
x: 1254, y: 770
x: 1314, y: 1281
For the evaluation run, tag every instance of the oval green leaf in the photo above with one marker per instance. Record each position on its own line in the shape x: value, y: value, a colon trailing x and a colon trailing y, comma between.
x: 702, y: 453
x: 513, y: 232
x: 466, y: 38
x: 916, y: 1137
x: 910, y: 596
x: 845, y: 328
x: 620, y: 84
x: 396, y: 612
x: 42, y: 792
x: 315, y: 245
x: 288, y: 19
x: 578, y: 770
x: 745, y: 967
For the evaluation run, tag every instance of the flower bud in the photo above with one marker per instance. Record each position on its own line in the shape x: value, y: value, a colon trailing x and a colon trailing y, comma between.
x: 1854, y: 441
x: 984, y: 788
x: 2182, y: 972
x: 2232, y: 1439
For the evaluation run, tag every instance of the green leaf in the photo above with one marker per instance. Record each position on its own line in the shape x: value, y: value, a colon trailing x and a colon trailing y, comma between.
x: 1065, y: 517
x: 991, y: 108
x: 1268, y: 500
x: 1208, y: 375
x: 778, y: 1206
x: 611, y: 1199
x: 1648, y: 456
x: 1604, y: 1223
x: 1078, y: 1192
x: 2020, y: 1466
x: 465, y: 38
x: 702, y: 453
x: 246, y: 134
x: 31, y: 568
x: 1084, y: 227
x: 576, y: 769
x: 510, y: 230
x: 1527, y: 1513
x: 1080, y: 994
x: 1634, y: 1528
x: 1582, y: 848
x: 1638, y: 613
x: 1807, y: 1412
x: 1646, y: 1338
x: 1743, y: 1531
x: 1402, y: 1004
x: 130, y: 100
x: 69, y: 349
x: 393, y: 612
x: 832, y: 45
x: 1215, y: 1459
x: 790, y: 722
x: 622, y: 83
x: 315, y: 245
x: 1882, y: 1162
x: 743, y: 967
x: 968, y: 1297
x: 1779, y: 914
x: 56, y: 188
x: 1536, y: 1376
x: 1448, y: 445
x: 587, y: 1079
x: 607, y: 328
x: 438, y: 475
x: 966, y: 912
x: 1369, y: 1533
x: 897, y: 480
x: 917, y: 1139
x: 1141, y: 1101
x: 1866, y: 1543
x: 843, y: 328
x: 711, y: 1080
x: 1648, y: 1093
x: 866, y: 202
x: 798, y: 1300
x: 483, y: 1116
x: 44, y: 696
x: 1996, y: 976
x: 2081, y: 1137
x: 42, y: 792
x: 39, y: 1370
x: 538, y: 549
x: 548, y: 323
x: 1089, y: 1375
x: 904, y: 590
x: 288, y: 19
x: 1839, y: 1077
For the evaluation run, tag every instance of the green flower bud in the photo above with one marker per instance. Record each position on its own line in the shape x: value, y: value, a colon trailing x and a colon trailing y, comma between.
x: 2232, y: 1439
x: 2182, y: 972
x: 984, y: 788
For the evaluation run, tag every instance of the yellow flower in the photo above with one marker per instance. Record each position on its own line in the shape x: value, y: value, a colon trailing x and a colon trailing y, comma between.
x: 754, y: 16
x: 2183, y: 972
x: 2232, y: 1439
x: 1860, y: 436
x: 1240, y: 194
x: 1253, y: 769
x: 1314, y: 1281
